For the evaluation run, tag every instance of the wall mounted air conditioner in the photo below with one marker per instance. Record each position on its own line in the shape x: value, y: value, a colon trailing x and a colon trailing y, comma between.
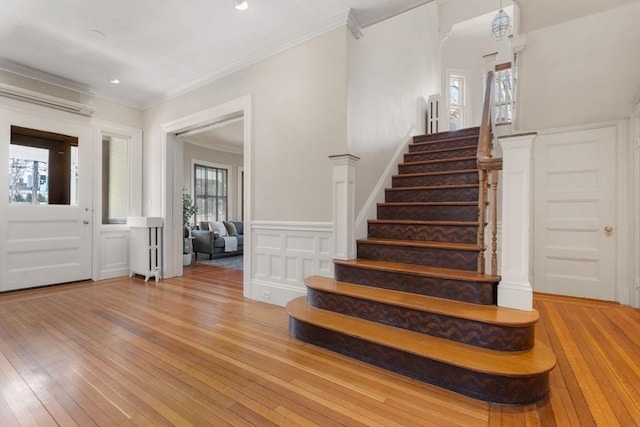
x: 31, y: 97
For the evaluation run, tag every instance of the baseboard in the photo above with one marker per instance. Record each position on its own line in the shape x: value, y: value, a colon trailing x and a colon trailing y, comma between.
x: 274, y: 293
x: 512, y: 294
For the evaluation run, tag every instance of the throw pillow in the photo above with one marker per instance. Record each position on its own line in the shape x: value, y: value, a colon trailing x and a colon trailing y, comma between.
x: 218, y: 227
x: 231, y: 228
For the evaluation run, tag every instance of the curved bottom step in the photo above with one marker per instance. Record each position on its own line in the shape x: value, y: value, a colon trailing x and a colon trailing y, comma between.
x: 483, y: 374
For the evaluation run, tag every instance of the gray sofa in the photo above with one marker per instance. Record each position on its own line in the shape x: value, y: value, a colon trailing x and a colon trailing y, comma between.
x: 206, y: 241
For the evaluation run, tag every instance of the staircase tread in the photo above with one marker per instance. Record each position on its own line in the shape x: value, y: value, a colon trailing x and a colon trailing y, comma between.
x: 450, y: 203
x: 489, y: 314
x: 540, y: 359
x: 451, y: 159
x: 433, y: 187
x: 450, y: 172
x: 419, y: 270
x: 420, y: 222
x: 421, y: 244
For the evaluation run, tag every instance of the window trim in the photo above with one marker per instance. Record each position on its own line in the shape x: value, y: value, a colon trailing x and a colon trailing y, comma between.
x: 464, y: 107
x: 101, y: 177
x: 134, y: 198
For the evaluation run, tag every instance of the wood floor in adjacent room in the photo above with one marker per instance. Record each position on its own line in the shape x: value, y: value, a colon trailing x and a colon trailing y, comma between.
x: 193, y: 351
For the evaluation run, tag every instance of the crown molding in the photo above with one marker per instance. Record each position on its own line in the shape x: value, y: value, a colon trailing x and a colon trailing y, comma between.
x: 218, y: 146
x: 338, y: 21
x: 353, y: 25
x: 42, y: 76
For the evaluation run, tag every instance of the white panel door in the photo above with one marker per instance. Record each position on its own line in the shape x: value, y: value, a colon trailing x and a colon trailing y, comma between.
x: 574, y: 213
x: 44, y: 244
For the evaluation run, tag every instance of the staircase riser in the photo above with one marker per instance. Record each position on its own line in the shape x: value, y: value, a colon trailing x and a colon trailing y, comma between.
x: 418, y: 156
x: 468, y: 132
x: 429, y: 213
x: 478, y: 334
x: 448, y: 179
x: 484, y: 293
x: 435, y: 257
x: 437, y: 167
x: 433, y: 195
x: 435, y: 233
x: 491, y: 388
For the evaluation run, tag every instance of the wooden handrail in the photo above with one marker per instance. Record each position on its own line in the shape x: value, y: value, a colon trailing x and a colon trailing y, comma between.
x: 484, y: 157
x: 488, y: 167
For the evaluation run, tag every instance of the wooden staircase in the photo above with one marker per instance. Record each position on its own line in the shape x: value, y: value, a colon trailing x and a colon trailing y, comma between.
x: 413, y: 301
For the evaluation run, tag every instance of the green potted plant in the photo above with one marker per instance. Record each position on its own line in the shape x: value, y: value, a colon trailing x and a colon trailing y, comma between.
x: 188, y: 211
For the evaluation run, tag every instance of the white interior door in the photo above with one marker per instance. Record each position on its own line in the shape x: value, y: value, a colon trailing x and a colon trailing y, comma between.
x: 574, y: 214
x: 43, y: 243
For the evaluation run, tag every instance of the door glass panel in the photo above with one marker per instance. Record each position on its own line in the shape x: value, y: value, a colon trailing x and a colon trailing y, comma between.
x: 43, y: 168
x: 28, y: 167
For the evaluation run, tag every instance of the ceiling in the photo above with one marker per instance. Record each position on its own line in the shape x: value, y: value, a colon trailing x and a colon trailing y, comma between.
x: 227, y: 136
x: 160, y: 48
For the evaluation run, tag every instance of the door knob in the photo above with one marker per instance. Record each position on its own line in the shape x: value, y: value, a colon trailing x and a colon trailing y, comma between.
x: 608, y: 230
x: 85, y: 222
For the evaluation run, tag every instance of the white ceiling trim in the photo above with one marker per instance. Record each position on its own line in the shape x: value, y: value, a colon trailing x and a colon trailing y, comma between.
x: 353, y: 25
x: 225, y: 148
x: 331, y: 24
x: 52, y: 79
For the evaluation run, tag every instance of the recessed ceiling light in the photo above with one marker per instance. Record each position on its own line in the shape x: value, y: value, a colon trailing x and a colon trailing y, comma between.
x: 241, y: 4
x: 114, y: 81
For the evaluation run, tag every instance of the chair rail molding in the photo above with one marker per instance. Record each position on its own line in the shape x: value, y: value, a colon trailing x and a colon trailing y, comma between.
x: 515, y: 290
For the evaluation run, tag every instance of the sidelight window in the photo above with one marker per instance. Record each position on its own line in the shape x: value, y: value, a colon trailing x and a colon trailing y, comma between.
x: 115, y: 179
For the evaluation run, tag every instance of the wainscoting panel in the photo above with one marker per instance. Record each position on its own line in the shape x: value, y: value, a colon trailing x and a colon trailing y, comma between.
x: 284, y: 254
x: 114, y: 254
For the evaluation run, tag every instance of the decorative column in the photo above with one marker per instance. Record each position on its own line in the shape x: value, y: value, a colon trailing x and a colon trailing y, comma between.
x: 344, y: 206
x: 514, y: 290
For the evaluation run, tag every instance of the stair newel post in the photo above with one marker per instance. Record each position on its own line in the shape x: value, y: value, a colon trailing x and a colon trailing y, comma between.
x: 482, y: 212
x: 515, y: 290
x: 494, y: 222
x: 344, y: 216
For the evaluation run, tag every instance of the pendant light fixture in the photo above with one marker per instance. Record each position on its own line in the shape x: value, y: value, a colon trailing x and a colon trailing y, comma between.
x: 501, y: 24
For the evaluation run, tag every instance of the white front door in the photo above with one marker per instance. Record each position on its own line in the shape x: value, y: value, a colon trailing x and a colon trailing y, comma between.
x: 574, y: 213
x: 44, y: 243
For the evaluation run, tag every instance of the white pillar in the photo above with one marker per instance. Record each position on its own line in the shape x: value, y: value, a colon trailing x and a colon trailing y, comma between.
x: 344, y: 205
x: 515, y: 290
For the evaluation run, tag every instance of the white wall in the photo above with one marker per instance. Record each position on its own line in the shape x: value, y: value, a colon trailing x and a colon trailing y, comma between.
x: 583, y: 71
x: 298, y: 120
x: 194, y: 153
x: 393, y: 68
x: 463, y: 55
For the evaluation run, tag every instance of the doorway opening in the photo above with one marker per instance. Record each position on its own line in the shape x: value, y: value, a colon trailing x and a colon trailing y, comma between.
x: 174, y: 172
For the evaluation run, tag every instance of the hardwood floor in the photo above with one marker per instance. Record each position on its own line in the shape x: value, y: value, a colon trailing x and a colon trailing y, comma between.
x: 193, y: 351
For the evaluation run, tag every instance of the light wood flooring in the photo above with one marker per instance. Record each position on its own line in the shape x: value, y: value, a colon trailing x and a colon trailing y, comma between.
x: 193, y: 351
